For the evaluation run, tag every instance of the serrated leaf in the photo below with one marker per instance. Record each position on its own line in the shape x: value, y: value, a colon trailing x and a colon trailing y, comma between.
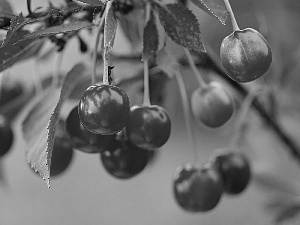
x: 64, y: 28
x: 181, y: 25
x: 215, y: 8
x: 151, y: 39
x: 11, y: 54
x: 110, y: 28
x: 92, y: 2
x: 39, y: 124
x: 5, y: 7
x: 167, y: 63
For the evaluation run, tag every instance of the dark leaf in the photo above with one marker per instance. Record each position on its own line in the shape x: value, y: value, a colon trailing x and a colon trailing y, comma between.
x: 110, y: 28
x: 181, y: 26
x: 151, y: 39
x: 40, y: 122
x: 11, y: 54
x: 64, y: 28
x: 215, y: 8
x: 92, y: 2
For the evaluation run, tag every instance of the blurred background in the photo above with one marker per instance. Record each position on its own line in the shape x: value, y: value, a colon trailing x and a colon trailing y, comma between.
x: 86, y: 194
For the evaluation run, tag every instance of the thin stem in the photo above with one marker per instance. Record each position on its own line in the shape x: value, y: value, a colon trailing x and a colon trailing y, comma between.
x: 105, y: 60
x: 146, y: 100
x: 1, y: 82
x: 29, y: 7
x: 193, y: 66
x: 57, y: 70
x: 241, y: 118
x: 235, y: 26
x: 99, y: 39
x: 186, y: 112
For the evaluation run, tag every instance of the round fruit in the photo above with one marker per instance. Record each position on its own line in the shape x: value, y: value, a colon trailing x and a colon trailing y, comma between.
x: 104, y: 109
x: 62, y: 155
x: 82, y: 139
x: 148, y: 127
x: 245, y: 55
x: 197, y: 188
x: 212, y: 105
x: 125, y: 160
x: 235, y: 170
x: 6, y: 136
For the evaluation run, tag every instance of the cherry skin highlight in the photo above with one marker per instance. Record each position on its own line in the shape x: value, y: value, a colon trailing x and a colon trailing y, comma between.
x: 211, y: 105
x: 104, y: 109
x: 148, y: 127
x: 245, y: 55
x: 82, y: 139
x: 197, y: 188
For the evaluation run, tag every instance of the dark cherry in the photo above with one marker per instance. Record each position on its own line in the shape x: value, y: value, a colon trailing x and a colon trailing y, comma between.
x: 62, y: 153
x: 6, y: 136
x: 246, y: 55
x: 104, y: 109
x: 235, y: 170
x: 212, y: 105
x: 82, y: 139
x: 124, y: 160
x: 197, y: 188
x: 148, y: 127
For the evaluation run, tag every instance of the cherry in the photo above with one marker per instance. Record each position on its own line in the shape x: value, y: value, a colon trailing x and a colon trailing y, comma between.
x: 124, y: 160
x: 104, y: 109
x: 212, y: 105
x: 82, y: 139
x: 6, y: 136
x: 235, y: 170
x: 245, y: 55
x: 148, y: 127
x: 197, y: 188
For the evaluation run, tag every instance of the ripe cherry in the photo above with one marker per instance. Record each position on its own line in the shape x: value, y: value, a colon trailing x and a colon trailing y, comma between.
x: 124, y: 160
x: 245, y: 55
x: 212, y: 105
x: 6, y: 136
x: 62, y: 153
x: 104, y: 109
x: 82, y: 139
x: 197, y: 188
x: 235, y: 170
x: 148, y: 127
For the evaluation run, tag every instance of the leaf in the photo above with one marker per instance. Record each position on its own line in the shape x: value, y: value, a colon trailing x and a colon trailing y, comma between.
x: 5, y: 7
x: 39, y: 124
x: 215, y: 8
x: 11, y: 54
x: 92, y: 2
x: 151, y: 39
x: 64, y: 28
x: 167, y: 63
x: 181, y: 25
x: 110, y: 28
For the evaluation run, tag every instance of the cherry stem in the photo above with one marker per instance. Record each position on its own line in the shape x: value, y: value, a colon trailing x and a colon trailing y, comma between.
x: 57, y: 70
x: 105, y: 60
x: 193, y: 66
x: 240, y: 121
x: 99, y: 39
x: 1, y: 82
x: 146, y: 100
x: 235, y: 25
x: 186, y: 111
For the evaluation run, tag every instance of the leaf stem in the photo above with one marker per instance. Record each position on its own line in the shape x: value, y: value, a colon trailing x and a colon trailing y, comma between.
x: 186, y: 112
x: 105, y: 60
x: 193, y: 66
x: 99, y: 39
x: 235, y: 25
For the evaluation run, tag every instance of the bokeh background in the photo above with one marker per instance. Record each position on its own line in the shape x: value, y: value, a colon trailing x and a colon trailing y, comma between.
x: 86, y: 194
